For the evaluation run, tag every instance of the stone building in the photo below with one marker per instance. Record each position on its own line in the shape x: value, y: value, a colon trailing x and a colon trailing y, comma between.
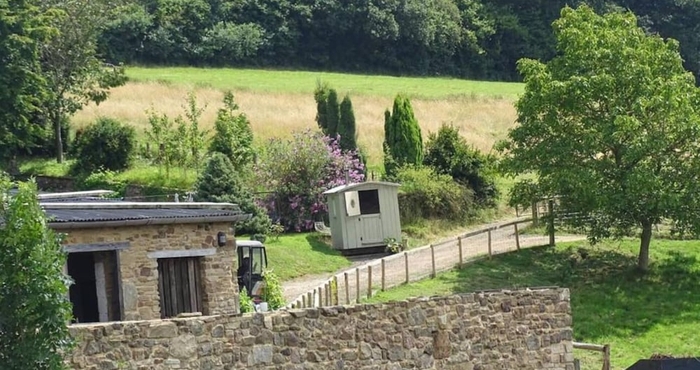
x: 143, y: 261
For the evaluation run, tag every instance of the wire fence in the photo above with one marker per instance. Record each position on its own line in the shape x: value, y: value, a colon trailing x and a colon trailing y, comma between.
x: 363, y: 281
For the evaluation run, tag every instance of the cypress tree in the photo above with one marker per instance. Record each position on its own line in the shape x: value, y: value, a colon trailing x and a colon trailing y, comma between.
x: 403, y: 141
x: 347, y: 128
x: 332, y: 113
x: 321, y: 97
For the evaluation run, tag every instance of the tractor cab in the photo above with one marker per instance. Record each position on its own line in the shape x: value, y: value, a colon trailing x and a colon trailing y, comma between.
x: 252, y: 262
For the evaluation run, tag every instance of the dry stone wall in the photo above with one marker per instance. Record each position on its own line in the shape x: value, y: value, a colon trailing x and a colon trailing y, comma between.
x: 524, y: 329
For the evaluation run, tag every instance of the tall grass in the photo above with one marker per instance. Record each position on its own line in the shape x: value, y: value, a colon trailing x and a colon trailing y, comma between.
x: 482, y: 120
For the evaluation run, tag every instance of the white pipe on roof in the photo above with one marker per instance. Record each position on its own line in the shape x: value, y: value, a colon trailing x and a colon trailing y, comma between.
x: 74, y: 194
x: 139, y: 205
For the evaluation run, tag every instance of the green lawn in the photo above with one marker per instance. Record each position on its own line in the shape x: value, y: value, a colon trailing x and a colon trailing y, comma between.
x: 295, y: 255
x: 638, y: 315
x: 305, y: 82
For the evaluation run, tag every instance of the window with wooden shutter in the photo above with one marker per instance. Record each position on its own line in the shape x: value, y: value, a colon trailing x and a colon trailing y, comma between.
x: 179, y: 283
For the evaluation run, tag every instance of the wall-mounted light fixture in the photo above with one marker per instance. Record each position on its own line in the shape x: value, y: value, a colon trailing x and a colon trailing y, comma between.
x: 221, y: 238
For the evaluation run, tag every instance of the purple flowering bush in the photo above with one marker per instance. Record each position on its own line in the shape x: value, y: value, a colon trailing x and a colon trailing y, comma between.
x: 298, y: 170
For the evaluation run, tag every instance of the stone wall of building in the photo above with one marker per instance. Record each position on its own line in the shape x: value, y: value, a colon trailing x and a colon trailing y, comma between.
x: 139, y: 272
x: 524, y: 329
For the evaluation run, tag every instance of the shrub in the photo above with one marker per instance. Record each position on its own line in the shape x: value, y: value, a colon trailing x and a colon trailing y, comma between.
x: 298, y: 171
x: 246, y: 303
x: 346, y: 126
x: 273, y: 293
x: 332, y: 113
x: 321, y: 98
x: 220, y: 182
x: 34, y: 306
x: 425, y: 194
x: 403, y: 144
x: 450, y: 154
x: 232, y: 134
x: 106, y: 144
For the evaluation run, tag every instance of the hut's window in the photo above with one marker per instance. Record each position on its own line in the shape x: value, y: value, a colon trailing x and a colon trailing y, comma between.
x: 369, y: 201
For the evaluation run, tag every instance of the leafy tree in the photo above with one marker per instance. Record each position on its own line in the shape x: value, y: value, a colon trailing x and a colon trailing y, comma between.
x: 346, y: 125
x: 448, y: 153
x: 298, y: 171
x: 403, y: 144
x: 611, y: 124
x: 34, y: 309
x: 22, y: 88
x: 123, y: 37
x: 107, y: 144
x: 225, y: 43
x: 220, y: 182
x: 233, y: 136
x: 69, y: 62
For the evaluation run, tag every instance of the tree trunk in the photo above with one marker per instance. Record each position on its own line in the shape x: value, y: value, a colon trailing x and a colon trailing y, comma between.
x: 58, y: 138
x: 643, y: 262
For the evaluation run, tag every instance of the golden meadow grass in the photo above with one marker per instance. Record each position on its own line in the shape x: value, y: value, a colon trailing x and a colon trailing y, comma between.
x: 481, y: 120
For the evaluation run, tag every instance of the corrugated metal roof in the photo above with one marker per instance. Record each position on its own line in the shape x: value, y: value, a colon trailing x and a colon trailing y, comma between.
x: 99, y: 215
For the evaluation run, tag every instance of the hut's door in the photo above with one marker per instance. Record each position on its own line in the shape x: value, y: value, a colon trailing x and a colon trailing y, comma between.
x: 370, y: 218
x: 371, y: 229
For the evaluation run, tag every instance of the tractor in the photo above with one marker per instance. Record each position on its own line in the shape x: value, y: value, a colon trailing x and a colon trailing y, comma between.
x: 252, y: 262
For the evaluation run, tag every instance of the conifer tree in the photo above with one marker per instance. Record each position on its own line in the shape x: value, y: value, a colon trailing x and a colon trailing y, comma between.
x: 321, y: 98
x: 332, y: 114
x: 403, y: 143
x: 347, y: 128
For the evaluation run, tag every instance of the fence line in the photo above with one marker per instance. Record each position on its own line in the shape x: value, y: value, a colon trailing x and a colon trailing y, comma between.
x: 352, y: 285
x: 604, y: 349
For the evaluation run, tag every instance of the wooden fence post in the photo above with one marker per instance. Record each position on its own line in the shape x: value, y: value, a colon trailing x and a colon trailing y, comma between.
x: 383, y: 274
x: 335, y: 291
x: 405, y: 257
x: 551, y: 222
x: 606, y: 357
x: 432, y: 259
x: 328, y: 294
x: 534, y: 213
x: 357, y: 284
x: 490, y: 248
x: 369, y: 281
x: 303, y: 301
x: 320, y: 296
x: 309, y: 299
x: 347, y: 289
x: 461, y: 255
x: 517, y: 237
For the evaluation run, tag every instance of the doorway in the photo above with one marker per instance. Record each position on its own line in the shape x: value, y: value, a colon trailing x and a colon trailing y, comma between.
x: 83, y: 291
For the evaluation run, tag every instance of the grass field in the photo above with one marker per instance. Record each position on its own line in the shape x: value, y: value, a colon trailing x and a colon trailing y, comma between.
x: 294, y: 255
x: 638, y: 315
x: 280, y: 102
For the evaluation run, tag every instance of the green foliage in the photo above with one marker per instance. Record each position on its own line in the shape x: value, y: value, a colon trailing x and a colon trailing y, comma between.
x: 246, y: 302
x: 232, y: 134
x: 107, y: 144
x: 393, y: 245
x: 34, y: 309
x: 273, y: 293
x: 221, y: 182
x: 403, y: 143
x: 611, y: 123
x: 448, y: 152
x: 347, y: 128
x: 22, y: 88
x: 224, y: 43
x: 177, y: 142
x: 332, y: 114
x: 321, y: 98
x: 425, y: 194
x: 276, y: 230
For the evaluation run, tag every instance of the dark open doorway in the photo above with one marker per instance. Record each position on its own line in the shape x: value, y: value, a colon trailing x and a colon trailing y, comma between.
x: 83, y: 291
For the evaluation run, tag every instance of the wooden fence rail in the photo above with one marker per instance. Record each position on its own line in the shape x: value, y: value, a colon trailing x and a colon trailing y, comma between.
x: 604, y: 349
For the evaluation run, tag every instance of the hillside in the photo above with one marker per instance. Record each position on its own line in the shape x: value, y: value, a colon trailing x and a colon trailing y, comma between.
x: 279, y: 102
